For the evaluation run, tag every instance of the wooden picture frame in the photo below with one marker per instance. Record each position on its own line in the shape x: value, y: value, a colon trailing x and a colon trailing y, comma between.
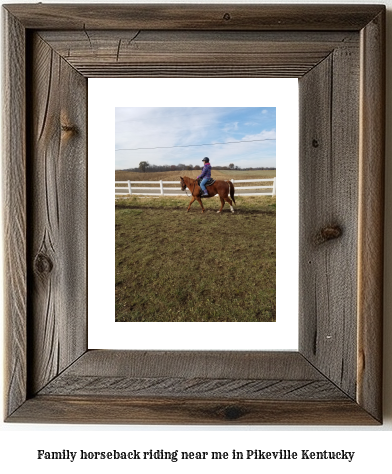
x: 337, y: 52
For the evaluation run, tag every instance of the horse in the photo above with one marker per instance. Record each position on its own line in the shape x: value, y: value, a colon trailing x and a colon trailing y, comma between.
x: 221, y: 187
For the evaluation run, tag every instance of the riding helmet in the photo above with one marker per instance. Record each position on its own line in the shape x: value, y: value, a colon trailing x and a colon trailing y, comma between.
x: 206, y: 160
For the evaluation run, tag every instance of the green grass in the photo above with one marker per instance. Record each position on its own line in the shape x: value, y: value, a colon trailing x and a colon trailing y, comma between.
x: 177, y: 266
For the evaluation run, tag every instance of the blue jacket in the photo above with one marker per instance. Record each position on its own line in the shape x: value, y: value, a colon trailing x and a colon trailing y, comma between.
x: 206, y: 171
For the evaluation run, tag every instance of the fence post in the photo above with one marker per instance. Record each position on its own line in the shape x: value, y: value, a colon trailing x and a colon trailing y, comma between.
x: 274, y: 187
x: 129, y: 187
x: 161, y: 187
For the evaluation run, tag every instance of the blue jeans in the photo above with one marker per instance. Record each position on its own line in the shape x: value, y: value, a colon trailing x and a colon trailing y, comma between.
x: 202, y: 184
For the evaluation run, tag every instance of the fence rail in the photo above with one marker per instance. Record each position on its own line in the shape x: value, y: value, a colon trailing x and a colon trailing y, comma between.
x: 128, y: 188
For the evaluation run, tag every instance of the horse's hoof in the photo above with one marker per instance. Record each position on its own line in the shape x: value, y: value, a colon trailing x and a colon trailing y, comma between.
x: 217, y: 212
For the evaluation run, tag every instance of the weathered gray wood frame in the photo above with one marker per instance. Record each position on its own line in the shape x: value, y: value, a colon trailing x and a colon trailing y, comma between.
x: 337, y: 52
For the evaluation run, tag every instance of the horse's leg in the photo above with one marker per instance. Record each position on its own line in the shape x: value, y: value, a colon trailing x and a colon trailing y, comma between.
x: 201, y: 204
x: 190, y: 204
x: 222, y: 204
x: 227, y: 199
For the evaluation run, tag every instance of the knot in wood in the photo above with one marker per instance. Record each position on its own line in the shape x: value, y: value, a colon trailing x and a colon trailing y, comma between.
x: 328, y: 233
x: 227, y: 16
x: 68, y: 128
x: 232, y: 412
x: 43, y: 264
x: 315, y: 143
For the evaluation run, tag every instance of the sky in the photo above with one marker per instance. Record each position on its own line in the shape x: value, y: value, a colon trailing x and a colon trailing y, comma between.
x: 184, y: 135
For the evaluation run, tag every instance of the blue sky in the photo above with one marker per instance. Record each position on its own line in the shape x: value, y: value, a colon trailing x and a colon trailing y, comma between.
x: 168, y: 135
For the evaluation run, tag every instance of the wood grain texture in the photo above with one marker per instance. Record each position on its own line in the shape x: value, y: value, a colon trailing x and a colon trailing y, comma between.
x: 206, y: 374
x: 194, y: 53
x: 371, y: 216
x: 335, y: 378
x: 192, y: 387
x: 207, y: 364
x: 57, y: 210
x: 155, y: 411
x: 329, y: 138
x: 14, y: 209
x: 195, y: 17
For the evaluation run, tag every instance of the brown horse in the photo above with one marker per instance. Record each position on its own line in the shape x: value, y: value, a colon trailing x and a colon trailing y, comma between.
x: 223, y: 188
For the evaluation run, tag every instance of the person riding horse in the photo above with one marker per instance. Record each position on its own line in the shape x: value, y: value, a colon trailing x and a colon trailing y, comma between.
x: 205, y: 175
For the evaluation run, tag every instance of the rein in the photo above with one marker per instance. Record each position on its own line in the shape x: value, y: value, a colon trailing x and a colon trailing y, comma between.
x: 194, y: 185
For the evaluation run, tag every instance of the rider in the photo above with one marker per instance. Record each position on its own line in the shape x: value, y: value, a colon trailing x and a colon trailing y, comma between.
x: 205, y: 175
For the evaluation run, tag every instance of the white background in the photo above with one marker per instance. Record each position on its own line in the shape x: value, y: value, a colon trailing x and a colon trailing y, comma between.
x: 103, y: 332
x: 19, y: 443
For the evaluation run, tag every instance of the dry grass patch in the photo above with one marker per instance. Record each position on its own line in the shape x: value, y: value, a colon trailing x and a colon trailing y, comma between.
x: 178, y: 266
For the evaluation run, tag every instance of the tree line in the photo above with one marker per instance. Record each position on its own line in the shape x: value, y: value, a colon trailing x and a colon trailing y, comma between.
x: 145, y: 167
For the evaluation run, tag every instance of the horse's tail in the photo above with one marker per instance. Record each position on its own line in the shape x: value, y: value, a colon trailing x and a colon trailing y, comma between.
x: 231, y: 187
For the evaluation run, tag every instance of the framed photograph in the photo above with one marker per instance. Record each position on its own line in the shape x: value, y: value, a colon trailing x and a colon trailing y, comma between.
x: 164, y: 238
x: 167, y: 237
x: 194, y: 268
x: 337, y: 53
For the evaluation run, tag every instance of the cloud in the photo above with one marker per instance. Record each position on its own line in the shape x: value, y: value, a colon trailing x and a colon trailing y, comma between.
x: 185, y: 134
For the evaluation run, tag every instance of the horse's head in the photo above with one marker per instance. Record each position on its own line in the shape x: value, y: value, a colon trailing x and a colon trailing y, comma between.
x: 183, y: 185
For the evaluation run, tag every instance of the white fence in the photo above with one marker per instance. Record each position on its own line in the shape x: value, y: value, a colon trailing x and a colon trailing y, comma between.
x: 126, y: 188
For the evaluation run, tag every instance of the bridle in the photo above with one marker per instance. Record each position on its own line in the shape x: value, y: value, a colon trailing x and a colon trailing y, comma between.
x: 185, y: 186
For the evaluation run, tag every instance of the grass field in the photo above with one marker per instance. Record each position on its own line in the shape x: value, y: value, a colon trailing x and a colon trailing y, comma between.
x: 178, y: 266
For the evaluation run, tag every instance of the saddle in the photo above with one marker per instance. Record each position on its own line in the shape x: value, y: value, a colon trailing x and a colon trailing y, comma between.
x: 208, y: 183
